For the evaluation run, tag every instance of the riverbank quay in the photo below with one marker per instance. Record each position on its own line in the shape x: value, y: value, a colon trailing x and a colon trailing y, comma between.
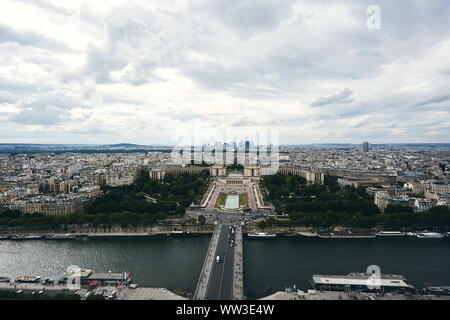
x: 156, y: 293
x: 169, y: 229
x: 175, y: 230
x: 290, y: 294
x: 35, y: 287
x: 186, y: 230
x: 107, y: 292
x: 150, y: 294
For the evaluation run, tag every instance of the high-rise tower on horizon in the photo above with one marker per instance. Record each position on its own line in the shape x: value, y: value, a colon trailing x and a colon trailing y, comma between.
x: 365, y: 146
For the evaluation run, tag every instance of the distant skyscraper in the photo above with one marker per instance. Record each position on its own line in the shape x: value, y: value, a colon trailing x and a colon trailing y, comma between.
x: 365, y: 146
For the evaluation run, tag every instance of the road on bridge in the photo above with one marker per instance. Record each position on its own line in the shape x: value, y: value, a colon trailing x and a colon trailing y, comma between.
x: 221, y: 283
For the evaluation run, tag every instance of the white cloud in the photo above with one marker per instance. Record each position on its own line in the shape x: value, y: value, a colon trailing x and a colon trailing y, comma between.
x: 137, y: 70
x: 342, y: 97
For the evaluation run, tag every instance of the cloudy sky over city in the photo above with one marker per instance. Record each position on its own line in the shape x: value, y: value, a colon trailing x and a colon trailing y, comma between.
x: 135, y: 71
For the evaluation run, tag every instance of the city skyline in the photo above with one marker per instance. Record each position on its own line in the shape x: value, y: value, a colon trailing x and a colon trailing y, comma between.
x: 98, y: 73
x: 230, y: 158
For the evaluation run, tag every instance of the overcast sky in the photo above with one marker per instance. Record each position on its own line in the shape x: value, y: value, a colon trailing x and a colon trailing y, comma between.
x: 134, y: 71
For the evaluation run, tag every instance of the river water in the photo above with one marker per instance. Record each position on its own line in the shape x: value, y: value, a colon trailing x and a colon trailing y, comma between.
x: 269, y: 265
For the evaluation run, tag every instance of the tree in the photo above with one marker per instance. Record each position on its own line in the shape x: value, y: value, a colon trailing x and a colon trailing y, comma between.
x: 396, y: 208
x: 440, y: 210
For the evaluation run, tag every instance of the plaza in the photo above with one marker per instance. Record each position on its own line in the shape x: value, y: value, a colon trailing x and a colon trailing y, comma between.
x: 233, y: 191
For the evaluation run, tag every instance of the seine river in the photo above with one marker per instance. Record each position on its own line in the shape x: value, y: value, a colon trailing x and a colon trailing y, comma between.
x: 269, y: 265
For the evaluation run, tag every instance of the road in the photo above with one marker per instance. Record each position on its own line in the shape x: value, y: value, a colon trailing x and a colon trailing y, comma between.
x: 213, y: 215
x: 221, y: 281
x: 218, y: 278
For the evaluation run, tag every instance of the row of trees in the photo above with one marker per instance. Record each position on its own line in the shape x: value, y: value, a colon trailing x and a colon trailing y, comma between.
x: 144, y: 202
x: 357, y: 220
x: 329, y: 205
x: 14, y: 218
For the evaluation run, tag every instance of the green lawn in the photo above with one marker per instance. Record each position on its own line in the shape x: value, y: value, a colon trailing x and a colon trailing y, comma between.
x: 243, y: 200
x: 221, y: 200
